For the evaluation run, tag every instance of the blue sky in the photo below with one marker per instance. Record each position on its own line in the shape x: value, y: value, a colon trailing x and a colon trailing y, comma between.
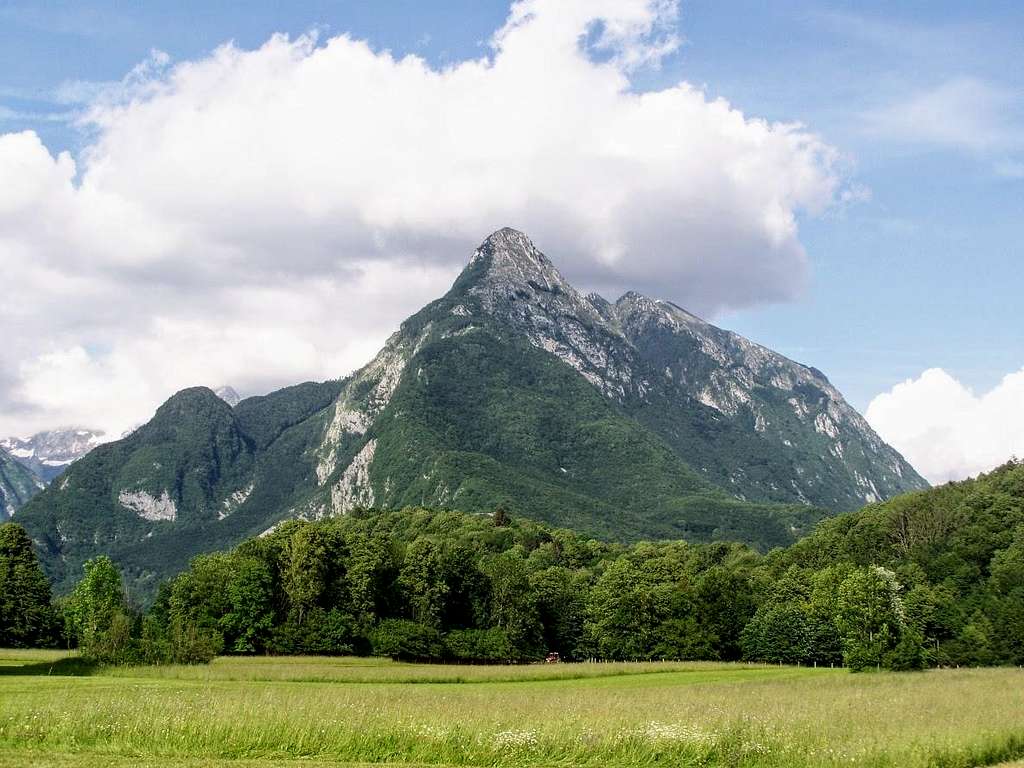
x: 924, y: 101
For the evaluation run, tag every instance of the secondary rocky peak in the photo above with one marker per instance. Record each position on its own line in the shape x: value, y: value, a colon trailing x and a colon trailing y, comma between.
x: 633, y: 308
x: 632, y: 303
x: 603, y: 307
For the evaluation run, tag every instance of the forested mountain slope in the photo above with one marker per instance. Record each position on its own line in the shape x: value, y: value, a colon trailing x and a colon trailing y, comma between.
x: 199, y: 477
x: 956, y: 553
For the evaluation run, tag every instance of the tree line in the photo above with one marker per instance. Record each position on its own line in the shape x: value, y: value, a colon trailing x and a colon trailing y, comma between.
x: 929, y: 578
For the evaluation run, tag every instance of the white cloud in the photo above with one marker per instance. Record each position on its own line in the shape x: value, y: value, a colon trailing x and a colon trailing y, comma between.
x: 946, y: 431
x: 261, y: 217
x: 960, y: 113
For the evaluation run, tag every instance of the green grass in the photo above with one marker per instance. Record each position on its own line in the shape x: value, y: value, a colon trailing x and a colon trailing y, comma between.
x: 258, y: 712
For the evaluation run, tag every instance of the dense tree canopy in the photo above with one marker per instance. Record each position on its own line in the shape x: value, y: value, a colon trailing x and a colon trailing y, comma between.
x: 934, y: 577
x: 929, y: 578
x: 957, y: 572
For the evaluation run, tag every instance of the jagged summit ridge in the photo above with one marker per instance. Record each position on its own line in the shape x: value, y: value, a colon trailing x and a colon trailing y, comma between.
x: 510, y: 259
x: 515, y: 272
x: 513, y: 247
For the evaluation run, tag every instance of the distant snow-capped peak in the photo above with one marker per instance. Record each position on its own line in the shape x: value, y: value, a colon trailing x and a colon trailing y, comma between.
x: 48, y: 453
x: 228, y: 395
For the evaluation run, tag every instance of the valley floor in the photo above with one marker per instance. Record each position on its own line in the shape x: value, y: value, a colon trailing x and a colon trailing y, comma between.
x: 318, y: 712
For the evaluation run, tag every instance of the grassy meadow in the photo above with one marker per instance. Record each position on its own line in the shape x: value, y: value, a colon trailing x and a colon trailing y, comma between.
x: 258, y: 712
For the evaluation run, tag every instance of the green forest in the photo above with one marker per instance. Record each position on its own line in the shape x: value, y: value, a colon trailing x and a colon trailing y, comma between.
x: 928, y: 578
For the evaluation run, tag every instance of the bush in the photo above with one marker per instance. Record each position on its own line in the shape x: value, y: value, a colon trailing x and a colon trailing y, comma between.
x: 404, y: 640
x: 97, y: 615
x: 113, y: 644
x: 909, y: 653
x: 485, y: 645
x: 324, y: 633
x: 154, y: 644
x: 191, y: 644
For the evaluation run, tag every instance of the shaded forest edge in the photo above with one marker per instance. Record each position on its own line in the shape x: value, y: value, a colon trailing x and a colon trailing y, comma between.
x: 928, y: 578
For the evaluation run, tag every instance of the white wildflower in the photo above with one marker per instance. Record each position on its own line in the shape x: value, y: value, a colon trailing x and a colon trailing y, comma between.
x: 515, y: 740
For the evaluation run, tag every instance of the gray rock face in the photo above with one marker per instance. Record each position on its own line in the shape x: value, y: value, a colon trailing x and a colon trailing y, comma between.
x: 48, y: 454
x: 818, y: 448
x: 518, y: 286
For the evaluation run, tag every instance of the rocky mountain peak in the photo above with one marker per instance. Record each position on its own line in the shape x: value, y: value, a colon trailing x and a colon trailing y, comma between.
x: 509, y: 256
x: 642, y: 351
x: 510, y: 243
x: 510, y: 279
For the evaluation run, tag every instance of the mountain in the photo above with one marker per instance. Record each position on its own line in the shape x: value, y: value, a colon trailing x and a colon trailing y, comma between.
x: 749, y: 419
x: 626, y: 421
x: 47, y: 454
x: 17, y: 485
x: 198, y: 476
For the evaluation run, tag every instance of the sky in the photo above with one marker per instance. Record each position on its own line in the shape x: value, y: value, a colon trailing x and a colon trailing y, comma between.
x: 196, y: 193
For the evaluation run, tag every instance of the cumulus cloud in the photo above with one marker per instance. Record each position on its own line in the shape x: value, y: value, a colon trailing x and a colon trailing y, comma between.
x: 259, y: 217
x: 946, y: 431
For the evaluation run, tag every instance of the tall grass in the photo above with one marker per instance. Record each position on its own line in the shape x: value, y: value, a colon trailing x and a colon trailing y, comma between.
x: 269, y: 710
